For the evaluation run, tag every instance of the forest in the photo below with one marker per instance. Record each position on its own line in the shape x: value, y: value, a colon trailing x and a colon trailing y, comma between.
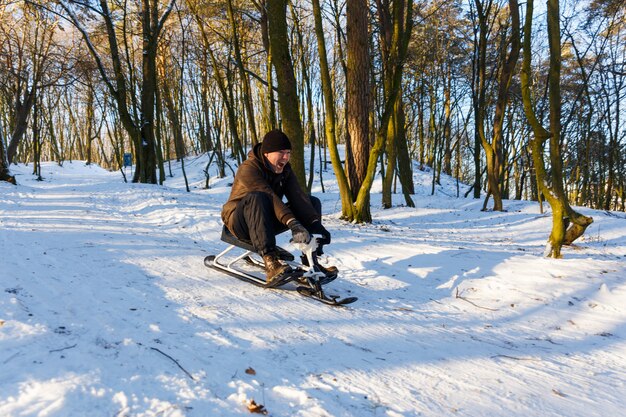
x: 521, y: 100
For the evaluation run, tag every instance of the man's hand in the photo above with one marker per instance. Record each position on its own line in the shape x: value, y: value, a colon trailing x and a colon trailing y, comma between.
x: 298, y: 232
x: 318, y: 229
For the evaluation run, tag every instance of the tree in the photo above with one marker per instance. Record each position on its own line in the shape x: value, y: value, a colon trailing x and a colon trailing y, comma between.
x: 358, y: 87
x: 34, y: 60
x: 494, y: 149
x: 243, y: 75
x: 567, y: 224
x: 347, y: 207
x: 217, y: 79
x: 5, y: 174
x: 479, y: 87
x: 270, y: 115
x: 221, y: 75
x: 286, y: 84
x: 395, y: 136
x: 402, y: 12
x: 304, y: 58
x: 140, y: 129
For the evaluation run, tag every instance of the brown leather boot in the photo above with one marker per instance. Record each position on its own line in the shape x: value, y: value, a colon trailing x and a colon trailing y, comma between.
x: 275, y: 270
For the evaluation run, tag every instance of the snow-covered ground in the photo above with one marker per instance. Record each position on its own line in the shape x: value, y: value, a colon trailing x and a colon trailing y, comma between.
x: 106, y: 308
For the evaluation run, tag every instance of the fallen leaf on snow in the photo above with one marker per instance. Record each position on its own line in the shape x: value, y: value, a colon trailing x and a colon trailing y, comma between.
x: 253, y: 407
x: 250, y: 371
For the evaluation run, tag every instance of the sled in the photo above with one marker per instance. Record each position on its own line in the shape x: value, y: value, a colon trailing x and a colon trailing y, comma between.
x: 309, y: 277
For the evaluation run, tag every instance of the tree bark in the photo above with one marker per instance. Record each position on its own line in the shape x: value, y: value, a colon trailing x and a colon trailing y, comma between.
x: 22, y: 113
x: 308, y: 96
x: 270, y: 119
x: 286, y: 84
x: 5, y: 173
x: 247, y: 95
x: 237, y: 147
x: 347, y: 209
x: 403, y: 24
x: 405, y: 165
x: 140, y: 131
x: 151, y: 27
x: 357, y: 91
x: 175, y: 122
x: 396, y: 146
x: 495, y: 148
x: 562, y: 214
x: 479, y: 89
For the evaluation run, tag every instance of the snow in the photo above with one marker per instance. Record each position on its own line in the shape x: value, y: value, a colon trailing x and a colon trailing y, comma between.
x: 106, y: 308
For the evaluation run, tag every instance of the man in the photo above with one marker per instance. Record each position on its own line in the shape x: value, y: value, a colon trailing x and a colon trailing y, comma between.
x: 256, y: 213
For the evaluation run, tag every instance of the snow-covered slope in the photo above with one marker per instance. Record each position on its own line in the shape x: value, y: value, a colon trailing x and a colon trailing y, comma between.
x: 106, y: 308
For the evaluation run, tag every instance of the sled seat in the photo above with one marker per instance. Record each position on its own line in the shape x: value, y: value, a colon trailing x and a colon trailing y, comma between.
x: 231, y: 239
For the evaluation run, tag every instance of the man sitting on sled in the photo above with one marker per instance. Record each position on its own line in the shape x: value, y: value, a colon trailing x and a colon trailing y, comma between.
x: 255, y: 210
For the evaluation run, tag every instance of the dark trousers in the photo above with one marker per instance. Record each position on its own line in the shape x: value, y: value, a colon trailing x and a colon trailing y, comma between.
x: 255, y: 221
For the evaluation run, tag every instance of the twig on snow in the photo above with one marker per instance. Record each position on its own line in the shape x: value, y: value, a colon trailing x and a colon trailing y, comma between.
x: 7, y: 360
x: 175, y: 361
x: 459, y: 296
x: 64, y: 348
x: 513, y: 357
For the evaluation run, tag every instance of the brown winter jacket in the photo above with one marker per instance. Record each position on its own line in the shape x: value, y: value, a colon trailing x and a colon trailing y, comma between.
x: 255, y: 174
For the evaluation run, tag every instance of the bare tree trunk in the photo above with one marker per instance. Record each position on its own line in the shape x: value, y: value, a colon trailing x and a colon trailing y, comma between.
x: 36, y: 141
x: 405, y: 166
x: 388, y: 172
x: 391, y: 152
x: 357, y: 91
x: 270, y: 119
x: 151, y: 26
x: 286, y: 84
x: 495, y: 149
x: 563, y: 216
x: 237, y: 147
x: 420, y: 126
x: 22, y: 112
x: 308, y: 96
x: 479, y: 74
x: 5, y: 173
x: 403, y: 24
x: 347, y: 209
x: 396, y: 142
x: 140, y: 131
x: 175, y: 122
x: 247, y: 95
x: 90, y: 133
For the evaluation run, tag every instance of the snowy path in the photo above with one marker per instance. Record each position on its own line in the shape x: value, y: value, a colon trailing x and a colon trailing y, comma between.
x: 106, y: 309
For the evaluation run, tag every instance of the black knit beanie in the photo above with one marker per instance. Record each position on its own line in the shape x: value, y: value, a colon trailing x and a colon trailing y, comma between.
x: 275, y: 140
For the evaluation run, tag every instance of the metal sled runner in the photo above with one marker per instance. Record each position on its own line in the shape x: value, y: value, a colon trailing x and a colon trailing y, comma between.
x: 309, y: 277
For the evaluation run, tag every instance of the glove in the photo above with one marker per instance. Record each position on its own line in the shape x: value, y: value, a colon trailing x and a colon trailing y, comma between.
x: 317, y: 229
x: 298, y: 232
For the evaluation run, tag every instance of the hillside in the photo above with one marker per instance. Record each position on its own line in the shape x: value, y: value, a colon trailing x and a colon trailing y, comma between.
x: 106, y: 308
